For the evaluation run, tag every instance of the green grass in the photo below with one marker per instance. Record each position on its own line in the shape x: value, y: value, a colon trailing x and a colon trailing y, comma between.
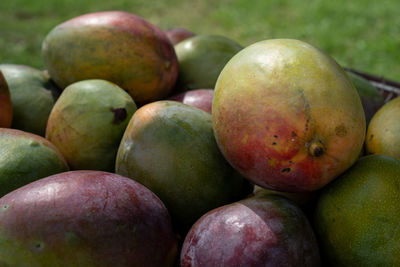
x: 362, y: 34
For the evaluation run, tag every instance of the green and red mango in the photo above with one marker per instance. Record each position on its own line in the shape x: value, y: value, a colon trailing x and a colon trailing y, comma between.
x: 286, y: 116
x: 117, y: 46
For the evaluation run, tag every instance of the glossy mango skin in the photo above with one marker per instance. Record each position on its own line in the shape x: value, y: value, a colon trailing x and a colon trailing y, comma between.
x: 32, y: 95
x: 286, y: 116
x: 85, y: 218
x: 356, y: 218
x: 87, y: 123
x: 199, y: 98
x: 6, y: 111
x: 263, y: 230
x: 116, y: 46
x: 26, y: 157
x: 383, y: 133
x: 170, y: 148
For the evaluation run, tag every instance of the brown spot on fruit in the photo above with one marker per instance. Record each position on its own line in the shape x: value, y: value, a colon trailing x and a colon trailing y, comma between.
x: 119, y: 115
x: 285, y: 170
x: 273, y: 143
x: 341, y: 130
x: 370, y: 137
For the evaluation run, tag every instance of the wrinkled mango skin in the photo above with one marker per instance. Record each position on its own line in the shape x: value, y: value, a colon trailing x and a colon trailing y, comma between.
x: 286, y: 116
x: 6, y: 111
x: 116, y: 46
x: 85, y: 218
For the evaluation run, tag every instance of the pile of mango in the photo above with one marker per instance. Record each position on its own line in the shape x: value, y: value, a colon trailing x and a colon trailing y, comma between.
x: 142, y: 147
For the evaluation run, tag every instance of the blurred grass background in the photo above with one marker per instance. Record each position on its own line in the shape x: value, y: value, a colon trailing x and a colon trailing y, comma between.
x: 360, y: 34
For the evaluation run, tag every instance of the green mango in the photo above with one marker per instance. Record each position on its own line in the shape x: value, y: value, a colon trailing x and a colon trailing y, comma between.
x: 87, y: 123
x: 26, y: 157
x: 170, y: 148
x: 32, y: 95
x: 201, y: 59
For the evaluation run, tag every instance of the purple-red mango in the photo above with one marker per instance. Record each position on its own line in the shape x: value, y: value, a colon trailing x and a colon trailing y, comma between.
x: 176, y: 35
x: 85, y: 218
x: 6, y: 109
x: 199, y: 98
x: 266, y: 230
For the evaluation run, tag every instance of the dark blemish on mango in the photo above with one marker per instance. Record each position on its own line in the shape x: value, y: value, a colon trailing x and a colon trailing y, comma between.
x: 275, y: 136
x: 285, y: 170
x: 293, y: 134
x: 5, y: 207
x: 370, y: 137
x: 38, y: 246
x: 340, y: 130
x: 119, y: 115
x: 34, y: 143
x: 290, y: 161
x: 316, y: 148
x: 274, y: 143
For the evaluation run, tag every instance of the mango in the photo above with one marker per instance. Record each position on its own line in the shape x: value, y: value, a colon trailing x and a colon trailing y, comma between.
x: 286, y: 116
x: 116, y: 46
x: 87, y: 123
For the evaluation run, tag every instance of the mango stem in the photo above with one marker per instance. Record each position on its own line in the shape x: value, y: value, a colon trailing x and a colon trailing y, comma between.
x: 316, y: 148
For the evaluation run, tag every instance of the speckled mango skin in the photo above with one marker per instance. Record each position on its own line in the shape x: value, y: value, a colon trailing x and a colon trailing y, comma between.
x: 116, y: 46
x: 383, y: 133
x: 85, y: 218
x: 6, y: 109
x: 263, y: 230
x: 87, y: 123
x: 274, y: 102
x: 170, y: 148
x: 356, y: 218
x: 26, y: 157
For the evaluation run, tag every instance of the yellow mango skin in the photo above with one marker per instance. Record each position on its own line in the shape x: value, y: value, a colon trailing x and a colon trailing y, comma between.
x: 274, y: 102
x: 383, y: 134
x: 116, y: 46
x: 6, y: 109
